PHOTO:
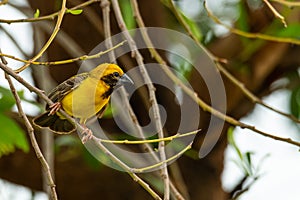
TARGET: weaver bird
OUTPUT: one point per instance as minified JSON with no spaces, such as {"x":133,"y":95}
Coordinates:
{"x":82,"y":97}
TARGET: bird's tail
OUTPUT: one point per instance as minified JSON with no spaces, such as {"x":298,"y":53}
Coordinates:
{"x":54,"y":123}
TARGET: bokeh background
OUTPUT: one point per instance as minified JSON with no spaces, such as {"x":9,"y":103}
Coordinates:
{"x":245,"y":166}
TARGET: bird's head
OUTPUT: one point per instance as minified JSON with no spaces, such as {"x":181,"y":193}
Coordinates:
{"x":111,"y":74}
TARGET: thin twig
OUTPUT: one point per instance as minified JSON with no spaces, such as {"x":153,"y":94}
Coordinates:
{"x":170,"y":138}
{"x":290,"y":4}
{"x":204,"y":105}
{"x":155,"y":54}
{"x":142,"y":169}
{"x":250,"y":95}
{"x":107,"y":33}
{"x":275,"y":12}
{"x":159,"y":59}
{"x":54,"y":33}
{"x":66,"y":42}
{"x":43,"y":79}
{"x":46,"y":17}
{"x":61,"y":62}
{"x":251,"y":35}
{"x":34,"y":143}
{"x":176,"y":193}
{"x":125,"y":167}
{"x":136,"y":54}
{"x":105,"y":5}
{"x":146,"y":146}
{"x":172,"y":158}
{"x":3,"y":60}
{"x":138,"y":127}
{"x":241,"y":86}
{"x":221,"y":115}
{"x":141,"y":24}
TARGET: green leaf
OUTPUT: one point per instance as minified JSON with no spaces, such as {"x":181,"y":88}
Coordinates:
{"x":36,"y":14}
{"x":248,"y":163}
{"x":232,"y":142}
{"x":75,"y":12}
{"x":291,"y":31}
{"x":295,"y":102}
{"x":242,"y":22}
{"x":248,"y":157}
{"x":127,"y":13}
{"x":7,"y":100}
{"x":244,"y":161}
{"x":193,"y":26}
{"x":11,"y":137}
{"x":183,"y":68}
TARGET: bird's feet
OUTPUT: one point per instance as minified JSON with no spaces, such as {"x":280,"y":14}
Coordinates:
{"x":54,"y":108}
{"x":87,"y":134}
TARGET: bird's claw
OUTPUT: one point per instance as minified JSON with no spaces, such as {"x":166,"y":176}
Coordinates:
{"x":87,"y":135}
{"x":54,"y":108}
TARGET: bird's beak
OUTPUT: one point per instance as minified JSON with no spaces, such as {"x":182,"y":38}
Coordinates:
{"x":124,"y":80}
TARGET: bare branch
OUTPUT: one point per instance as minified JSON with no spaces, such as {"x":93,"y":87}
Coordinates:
{"x":34,"y":143}
{"x":290,"y":4}
{"x":54,"y":33}
{"x":275,"y":12}
{"x":136,"y":54}
{"x":252,"y":35}
{"x":61,"y":62}
{"x":105,"y":5}
{"x":208,"y":108}
{"x":47,"y":17}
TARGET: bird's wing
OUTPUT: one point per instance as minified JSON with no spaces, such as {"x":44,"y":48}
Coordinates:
{"x":60,"y":91}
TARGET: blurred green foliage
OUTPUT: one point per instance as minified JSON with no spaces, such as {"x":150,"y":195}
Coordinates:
{"x":244,"y":159}
{"x":127,"y":13}
{"x":295,"y":102}
{"x":11,"y":135}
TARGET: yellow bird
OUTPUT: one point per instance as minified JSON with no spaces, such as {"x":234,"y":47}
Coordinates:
{"x":81,"y":96}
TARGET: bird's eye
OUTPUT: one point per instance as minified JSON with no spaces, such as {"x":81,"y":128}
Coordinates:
{"x":116,"y":74}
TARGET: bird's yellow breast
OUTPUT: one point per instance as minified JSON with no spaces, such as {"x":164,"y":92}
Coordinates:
{"x":86,"y":100}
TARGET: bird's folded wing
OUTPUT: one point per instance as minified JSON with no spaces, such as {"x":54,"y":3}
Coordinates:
{"x":59,"y":92}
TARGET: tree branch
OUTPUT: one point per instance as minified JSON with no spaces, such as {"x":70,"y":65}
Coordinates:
{"x":61,"y":62}
{"x":208,"y":108}
{"x":136,"y":54}
{"x":34,"y":143}
{"x":46,"y":17}
{"x":276,"y":13}
{"x":54,"y":33}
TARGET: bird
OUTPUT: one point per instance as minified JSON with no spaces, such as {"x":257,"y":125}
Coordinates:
{"x":82,"y":96}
